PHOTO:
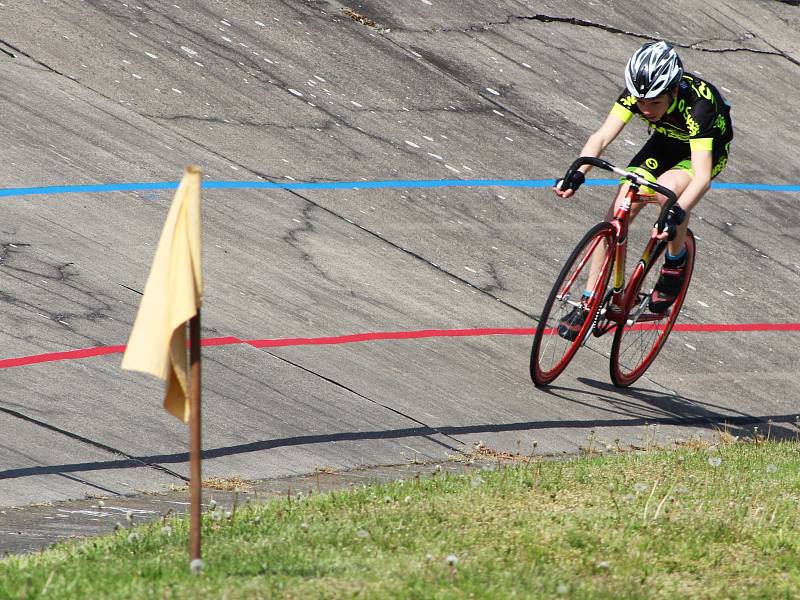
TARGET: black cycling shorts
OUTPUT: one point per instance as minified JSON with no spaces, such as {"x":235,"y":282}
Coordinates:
{"x":661,"y":154}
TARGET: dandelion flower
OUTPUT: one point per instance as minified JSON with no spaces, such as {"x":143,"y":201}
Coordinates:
{"x":362,"y":533}
{"x":133,"y":537}
{"x":212,"y":504}
{"x":714,"y":461}
{"x":196,"y":566}
{"x":166,"y":530}
{"x":640,"y":488}
{"x":771,"y":468}
{"x":603,"y":564}
{"x":562,"y":589}
{"x":451,"y":560}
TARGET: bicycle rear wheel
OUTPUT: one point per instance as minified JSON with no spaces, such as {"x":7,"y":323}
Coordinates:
{"x":551,"y":352}
{"x":636,"y":346}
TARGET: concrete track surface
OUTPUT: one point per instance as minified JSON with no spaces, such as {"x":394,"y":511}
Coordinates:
{"x":102,"y":91}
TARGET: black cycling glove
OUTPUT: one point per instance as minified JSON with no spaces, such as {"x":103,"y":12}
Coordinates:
{"x":675,"y":216}
{"x":573,"y":183}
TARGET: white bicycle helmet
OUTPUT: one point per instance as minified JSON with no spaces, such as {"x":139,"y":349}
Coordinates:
{"x":652,"y":70}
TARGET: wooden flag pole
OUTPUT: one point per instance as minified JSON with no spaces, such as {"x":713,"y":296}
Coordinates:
{"x":195,"y":446}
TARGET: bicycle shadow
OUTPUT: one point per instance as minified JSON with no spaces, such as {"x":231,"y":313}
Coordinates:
{"x":662,"y":408}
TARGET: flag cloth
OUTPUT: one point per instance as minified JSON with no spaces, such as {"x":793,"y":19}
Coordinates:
{"x":173,"y":295}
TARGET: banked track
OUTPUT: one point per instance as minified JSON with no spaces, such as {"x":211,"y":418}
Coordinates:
{"x":387,"y":319}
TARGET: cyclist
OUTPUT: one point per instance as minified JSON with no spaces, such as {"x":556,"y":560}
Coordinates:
{"x":690,"y":135}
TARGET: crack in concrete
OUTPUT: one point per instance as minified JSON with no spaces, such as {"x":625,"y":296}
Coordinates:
{"x":415,"y":255}
{"x":577,"y":57}
{"x":34,"y":60}
{"x":252,"y":69}
{"x":542,"y":18}
{"x":497,"y":283}
{"x":487,"y":97}
{"x":374,"y":234}
{"x":389,"y":408}
{"x":727,"y":230}
{"x":94,"y":310}
{"x":380,"y":139}
{"x":32,"y":459}
{"x":292,"y":238}
{"x":6,"y":52}
{"x":783,"y":54}
{"x":89,"y":442}
{"x":257,"y":71}
{"x":135,"y":291}
{"x":319,"y":127}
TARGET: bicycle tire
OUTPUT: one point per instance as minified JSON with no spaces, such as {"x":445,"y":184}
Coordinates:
{"x":636,"y":346}
{"x":550,"y":347}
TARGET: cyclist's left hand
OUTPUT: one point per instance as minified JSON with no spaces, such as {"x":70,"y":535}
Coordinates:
{"x":675,"y":216}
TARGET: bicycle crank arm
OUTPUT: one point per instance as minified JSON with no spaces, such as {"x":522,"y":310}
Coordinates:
{"x":633,"y":317}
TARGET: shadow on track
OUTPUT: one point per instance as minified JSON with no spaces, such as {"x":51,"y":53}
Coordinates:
{"x":669,"y":410}
{"x":650,"y":407}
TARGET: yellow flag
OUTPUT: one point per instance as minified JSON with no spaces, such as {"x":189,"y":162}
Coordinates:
{"x":173,"y":294}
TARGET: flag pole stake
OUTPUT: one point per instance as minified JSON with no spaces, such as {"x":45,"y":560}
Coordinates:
{"x":195,"y":445}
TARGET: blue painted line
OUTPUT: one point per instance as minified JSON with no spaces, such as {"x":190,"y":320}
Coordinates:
{"x":756,"y":187}
{"x":349,"y":185}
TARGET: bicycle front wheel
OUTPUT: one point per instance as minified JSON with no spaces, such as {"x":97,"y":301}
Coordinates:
{"x":637,"y":344}
{"x":568,"y":314}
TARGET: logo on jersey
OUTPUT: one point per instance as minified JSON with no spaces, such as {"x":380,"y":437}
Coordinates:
{"x":691,"y":124}
{"x":720,"y":124}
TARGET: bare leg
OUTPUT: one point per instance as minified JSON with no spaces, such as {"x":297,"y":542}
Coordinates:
{"x":599,"y":254}
{"x":677,"y":180}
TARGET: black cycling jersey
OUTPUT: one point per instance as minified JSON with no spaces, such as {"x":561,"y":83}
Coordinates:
{"x":699,"y":117}
{"x":699,"y":112}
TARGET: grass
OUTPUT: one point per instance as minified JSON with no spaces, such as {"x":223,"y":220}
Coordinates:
{"x":719,"y":522}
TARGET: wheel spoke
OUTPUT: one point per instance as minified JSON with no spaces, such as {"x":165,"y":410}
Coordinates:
{"x":553,"y":349}
{"x":636,"y":345}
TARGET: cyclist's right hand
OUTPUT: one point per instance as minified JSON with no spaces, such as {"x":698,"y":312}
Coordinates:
{"x":566,"y":188}
{"x":562,"y":193}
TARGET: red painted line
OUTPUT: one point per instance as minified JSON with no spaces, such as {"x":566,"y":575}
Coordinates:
{"x":387,"y":335}
{"x":57,"y":356}
{"x":22,"y":361}
{"x":220,"y":341}
{"x":731,"y":327}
